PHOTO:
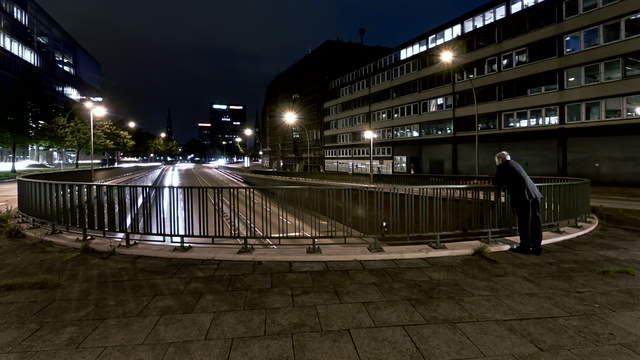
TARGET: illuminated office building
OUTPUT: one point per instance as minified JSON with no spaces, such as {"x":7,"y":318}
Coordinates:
{"x":556,"y":83}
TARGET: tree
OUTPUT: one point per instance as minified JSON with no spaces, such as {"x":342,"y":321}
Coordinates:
{"x":54,"y":134}
{"x":77,"y":137}
{"x":111,"y":139}
{"x":164,"y":148}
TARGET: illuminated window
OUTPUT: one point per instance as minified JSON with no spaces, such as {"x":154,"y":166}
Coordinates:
{"x":491,"y":65}
{"x":572,"y":43}
{"x":573,"y":77}
{"x":633,"y":106}
{"x":592,"y":111}
{"x":516,"y":5}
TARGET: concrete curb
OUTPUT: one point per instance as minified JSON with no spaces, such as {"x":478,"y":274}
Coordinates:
{"x":298,"y":253}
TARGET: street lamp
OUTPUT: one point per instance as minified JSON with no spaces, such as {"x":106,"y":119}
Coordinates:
{"x":224,"y":149}
{"x":163,"y":134}
{"x":448,"y":57}
{"x":291,"y":118}
{"x":247,"y":158}
{"x":94,"y":111}
{"x":370,"y":135}
{"x":132,"y":124}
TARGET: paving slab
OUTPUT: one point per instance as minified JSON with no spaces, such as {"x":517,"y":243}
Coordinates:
{"x":291,"y":280}
{"x":598,"y":331}
{"x":57,"y":335}
{"x":333,"y":345}
{"x":221,"y":301}
{"x":343,"y":316}
{"x":305,"y":296}
{"x":11,"y":335}
{"x":228,"y":325}
{"x":173,"y":328}
{"x":393,"y":313}
{"x":548,"y":334}
{"x":385,"y":344}
{"x":269,"y":298}
{"x":262,"y":348}
{"x":81,"y":354}
{"x":292,"y":320}
{"x":442,"y":341}
{"x":127,"y":331}
{"x":549,"y":355}
{"x":495,"y":339}
{"x":199,"y":350}
{"x":610,"y":352}
{"x":171,"y":304}
{"x":137,"y":352}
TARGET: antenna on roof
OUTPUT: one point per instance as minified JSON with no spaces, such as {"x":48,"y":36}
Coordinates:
{"x":362,"y":32}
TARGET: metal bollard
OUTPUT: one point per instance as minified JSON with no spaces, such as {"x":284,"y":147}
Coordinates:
{"x":376,"y":247}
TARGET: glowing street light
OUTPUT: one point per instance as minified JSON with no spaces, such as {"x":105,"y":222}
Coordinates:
{"x":163,"y":134}
{"x":448,"y":57}
{"x":238,"y":140}
{"x":638,"y":111}
{"x":370,"y":135}
{"x":94,"y":111}
{"x":132,"y":124}
{"x":290,"y":117}
{"x":248,"y":132}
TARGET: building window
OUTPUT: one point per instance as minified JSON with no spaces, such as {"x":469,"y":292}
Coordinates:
{"x":572,"y":43}
{"x":535,"y":117}
{"x":574,"y":113}
{"x":551,"y":116}
{"x":491,"y":65}
{"x":507,"y":61}
{"x":611,"y":32}
{"x":571,"y":8}
{"x":592,"y":37}
{"x":592,"y":74}
{"x":574,"y":77}
{"x":612,"y":70}
{"x":632,"y":26}
{"x":516,"y":5}
{"x":592,"y":111}
{"x":588,"y":5}
{"x":633,"y":106}
{"x":613,"y":108}
{"x":521,"y":57}
{"x":631,"y":66}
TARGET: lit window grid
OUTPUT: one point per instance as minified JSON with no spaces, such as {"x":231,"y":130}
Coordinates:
{"x":583,"y":6}
{"x":577,"y":76}
{"x":546,"y":116}
{"x":629,"y":108}
{"x":575,"y":42}
{"x":17,"y":48}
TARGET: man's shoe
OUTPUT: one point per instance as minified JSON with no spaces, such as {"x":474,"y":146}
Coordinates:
{"x":536,"y":251}
{"x":520,"y":250}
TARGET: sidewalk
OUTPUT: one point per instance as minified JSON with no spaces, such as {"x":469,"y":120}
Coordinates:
{"x":8,"y":195}
{"x":556,"y":306}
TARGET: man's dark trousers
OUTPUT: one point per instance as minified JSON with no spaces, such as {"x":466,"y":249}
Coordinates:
{"x":530,"y":224}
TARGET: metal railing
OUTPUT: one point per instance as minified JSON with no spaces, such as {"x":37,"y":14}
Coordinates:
{"x":275,"y":216}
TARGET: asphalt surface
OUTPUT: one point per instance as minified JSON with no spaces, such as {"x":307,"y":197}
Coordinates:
{"x":213,"y":205}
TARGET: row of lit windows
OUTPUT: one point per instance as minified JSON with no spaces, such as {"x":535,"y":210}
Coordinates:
{"x":384,"y":134}
{"x":70,"y":92}
{"x":604,"y":109}
{"x":16,"y":11}
{"x":344,"y":138}
{"x":531,"y":118}
{"x":348,"y":122}
{"x":455,"y":31}
{"x":17,"y":48}
{"x":359,"y":152}
{"x":595,"y":73}
{"x":381,"y":78}
{"x":576,"y":7}
{"x":439,"y":38}
{"x":603,"y":34}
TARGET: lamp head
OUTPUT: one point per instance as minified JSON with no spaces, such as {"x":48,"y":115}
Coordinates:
{"x":163,"y":135}
{"x":99,"y":111}
{"x":132,"y":124}
{"x":238,"y":140}
{"x":447,"y":56}
{"x":248,"y":132}
{"x":290,"y":117}
{"x":369,"y":135}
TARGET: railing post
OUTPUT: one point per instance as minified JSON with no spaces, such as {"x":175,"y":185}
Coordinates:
{"x":376,"y":247}
{"x":182,"y":246}
{"x":314,"y":248}
{"x":246,"y":248}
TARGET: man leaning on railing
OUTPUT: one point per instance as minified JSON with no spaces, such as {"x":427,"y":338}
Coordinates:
{"x":525,"y":200}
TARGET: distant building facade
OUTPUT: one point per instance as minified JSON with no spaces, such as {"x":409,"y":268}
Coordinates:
{"x":557,"y":84}
{"x":42,"y":69}
{"x":226,"y":123}
{"x":303,"y":88}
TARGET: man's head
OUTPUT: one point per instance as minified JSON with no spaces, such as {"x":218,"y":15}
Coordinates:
{"x":501,"y":157}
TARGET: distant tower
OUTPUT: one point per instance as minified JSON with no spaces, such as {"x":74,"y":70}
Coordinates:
{"x":169,"y":125}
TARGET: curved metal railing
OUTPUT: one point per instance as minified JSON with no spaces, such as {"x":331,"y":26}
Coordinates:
{"x":275,"y":216}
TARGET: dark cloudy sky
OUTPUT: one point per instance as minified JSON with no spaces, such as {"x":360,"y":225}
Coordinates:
{"x":185,"y":54}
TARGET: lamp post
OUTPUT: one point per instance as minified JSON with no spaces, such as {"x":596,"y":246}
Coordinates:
{"x":224,"y":151}
{"x":291,"y":118}
{"x":448,"y":57}
{"x":247,"y":158}
{"x":370,"y":135}
{"x":94,"y":111}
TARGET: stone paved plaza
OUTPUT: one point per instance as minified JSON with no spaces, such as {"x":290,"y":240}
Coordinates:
{"x":557,"y":306}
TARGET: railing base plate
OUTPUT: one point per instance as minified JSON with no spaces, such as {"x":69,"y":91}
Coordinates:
{"x":182,"y":248}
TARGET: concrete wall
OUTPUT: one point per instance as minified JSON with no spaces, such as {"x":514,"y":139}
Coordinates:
{"x":607,"y":159}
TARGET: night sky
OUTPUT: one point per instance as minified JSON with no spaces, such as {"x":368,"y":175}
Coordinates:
{"x":186,"y":54}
